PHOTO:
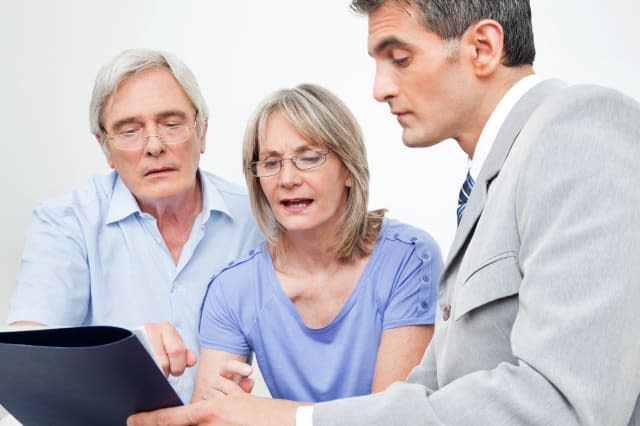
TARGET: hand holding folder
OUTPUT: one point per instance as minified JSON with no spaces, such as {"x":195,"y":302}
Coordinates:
{"x":96,"y":375}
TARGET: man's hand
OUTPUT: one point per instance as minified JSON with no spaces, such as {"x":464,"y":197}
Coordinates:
{"x":238,"y":408}
{"x":173,"y":355}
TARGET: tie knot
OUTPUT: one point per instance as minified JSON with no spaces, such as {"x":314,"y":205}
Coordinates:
{"x":463,"y":197}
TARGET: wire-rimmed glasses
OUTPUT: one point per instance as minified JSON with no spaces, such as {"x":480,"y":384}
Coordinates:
{"x":305,"y":160}
{"x":169,"y":134}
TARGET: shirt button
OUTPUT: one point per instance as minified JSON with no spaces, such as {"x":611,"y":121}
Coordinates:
{"x":251,"y":252}
{"x":425,"y":305}
{"x":446,"y":312}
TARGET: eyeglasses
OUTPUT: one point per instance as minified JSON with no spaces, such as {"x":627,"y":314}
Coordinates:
{"x":169,"y":134}
{"x":306,"y":160}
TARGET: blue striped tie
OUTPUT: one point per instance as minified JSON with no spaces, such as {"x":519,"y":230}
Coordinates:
{"x":463,"y":197}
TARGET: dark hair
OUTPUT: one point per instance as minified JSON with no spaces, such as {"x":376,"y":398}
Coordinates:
{"x":449,"y":19}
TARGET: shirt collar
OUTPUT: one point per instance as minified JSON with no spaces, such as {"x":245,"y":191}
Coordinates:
{"x":212,"y":198}
{"x":124,"y":204}
{"x":496,"y":120}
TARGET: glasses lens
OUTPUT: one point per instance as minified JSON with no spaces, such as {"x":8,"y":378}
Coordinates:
{"x":266,"y":168}
{"x":129,"y":141}
{"x":168,"y":134}
{"x":306,"y":160}
{"x":172,"y":134}
{"x":309,"y":159}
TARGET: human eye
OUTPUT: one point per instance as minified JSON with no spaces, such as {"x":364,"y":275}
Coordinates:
{"x":171,"y":128}
{"x":400,"y":57}
{"x":271,"y":163}
{"x":309,"y":158}
{"x":129,"y":133}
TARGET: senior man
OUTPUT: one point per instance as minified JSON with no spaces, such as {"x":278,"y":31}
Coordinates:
{"x":140,"y":244}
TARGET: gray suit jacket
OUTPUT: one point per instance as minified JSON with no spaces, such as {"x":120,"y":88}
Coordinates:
{"x":539,"y":320}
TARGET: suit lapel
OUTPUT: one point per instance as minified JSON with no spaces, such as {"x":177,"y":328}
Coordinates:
{"x":505,"y":138}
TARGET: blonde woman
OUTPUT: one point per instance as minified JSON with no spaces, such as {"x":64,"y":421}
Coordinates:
{"x":338,"y":301}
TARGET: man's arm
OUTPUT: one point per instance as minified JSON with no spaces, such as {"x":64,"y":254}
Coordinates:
{"x":575,"y":336}
{"x":27,"y":324}
{"x":53,"y":282}
{"x":234,"y":409}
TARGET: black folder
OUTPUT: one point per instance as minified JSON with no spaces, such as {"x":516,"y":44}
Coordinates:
{"x":96,"y":375}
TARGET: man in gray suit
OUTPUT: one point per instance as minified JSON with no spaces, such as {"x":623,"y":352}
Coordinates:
{"x":538,"y":320}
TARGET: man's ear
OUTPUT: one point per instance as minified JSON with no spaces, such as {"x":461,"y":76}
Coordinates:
{"x":105,"y":149}
{"x":203,"y":137}
{"x":486,"y":40}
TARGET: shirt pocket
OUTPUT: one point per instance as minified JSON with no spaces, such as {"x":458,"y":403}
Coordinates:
{"x":496,"y":278}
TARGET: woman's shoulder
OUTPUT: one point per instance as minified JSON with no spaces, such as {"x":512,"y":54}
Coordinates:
{"x":243,"y":270}
{"x":396,"y":230}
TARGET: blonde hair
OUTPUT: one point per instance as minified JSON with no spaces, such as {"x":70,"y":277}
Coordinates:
{"x":323,"y":119}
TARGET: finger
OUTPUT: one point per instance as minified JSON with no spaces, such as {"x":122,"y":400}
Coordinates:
{"x":175,"y":349}
{"x":234,"y":368}
{"x":247,"y":384}
{"x":192,"y":359}
{"x":154,"y":332}
{"x":227,"y":386}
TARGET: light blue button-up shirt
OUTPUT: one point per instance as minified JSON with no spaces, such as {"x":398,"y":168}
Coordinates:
{"x":93,"y":257}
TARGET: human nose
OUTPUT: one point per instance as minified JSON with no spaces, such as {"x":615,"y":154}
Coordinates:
{"x":289,"y":173}
{"x":153,"y":145}
{"x":384,"y":86}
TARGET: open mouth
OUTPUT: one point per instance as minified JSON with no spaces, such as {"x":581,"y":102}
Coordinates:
{"x":296,"y":203}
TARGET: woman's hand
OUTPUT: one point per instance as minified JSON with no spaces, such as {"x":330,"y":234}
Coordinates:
{"x":221,"y":373}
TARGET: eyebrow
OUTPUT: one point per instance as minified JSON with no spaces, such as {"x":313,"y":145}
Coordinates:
{"x":158,"y":116}
{"x":391,"y":41}
{"x":172,"y":113}
{"x":123,"y":122}
{"x":296,"y":151}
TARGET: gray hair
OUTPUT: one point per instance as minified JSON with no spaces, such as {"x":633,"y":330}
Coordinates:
{"x":323,"y":119}
{"x":132,"y":61}
{"x":449,"y":19}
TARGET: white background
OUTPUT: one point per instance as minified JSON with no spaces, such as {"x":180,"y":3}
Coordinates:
{"x":240,"y":51}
